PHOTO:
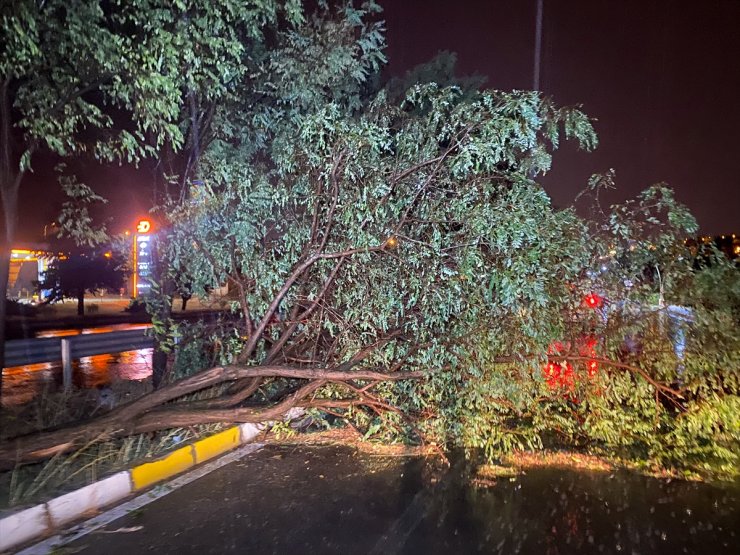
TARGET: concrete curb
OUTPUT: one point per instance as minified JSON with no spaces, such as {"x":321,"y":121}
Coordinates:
{"x":41,"y":520}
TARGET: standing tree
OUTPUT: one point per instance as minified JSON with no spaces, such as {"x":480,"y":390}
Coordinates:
{"x":70,"y":73}
{"x":59,"y":67}
{"x":80,"y":273}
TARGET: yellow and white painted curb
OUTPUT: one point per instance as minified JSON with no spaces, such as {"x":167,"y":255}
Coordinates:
{"x":41,"y":520}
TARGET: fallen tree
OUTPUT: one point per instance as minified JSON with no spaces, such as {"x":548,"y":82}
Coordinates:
{"x":150,"y":413}
{"x":396,"y":265}
{"x":300,"y":242}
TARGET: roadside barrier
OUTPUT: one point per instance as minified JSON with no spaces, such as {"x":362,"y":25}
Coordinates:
{"x":19,"y":352}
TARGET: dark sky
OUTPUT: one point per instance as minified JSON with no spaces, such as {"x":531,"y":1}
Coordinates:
{"x":662,"y":77}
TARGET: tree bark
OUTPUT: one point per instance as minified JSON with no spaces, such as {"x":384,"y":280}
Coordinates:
{"x":162,"y":314}
{"x":81,"y":303}
{"x":10,"y":178}
{"x":4,"y":273}
{"x":160,"y":354}
{"x":148,"y":414}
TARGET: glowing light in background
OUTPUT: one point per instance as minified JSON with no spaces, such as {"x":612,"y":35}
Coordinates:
{"x":592,"y":300}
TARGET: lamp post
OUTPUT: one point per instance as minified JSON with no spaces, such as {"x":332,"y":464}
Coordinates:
{"x":538,"y":45}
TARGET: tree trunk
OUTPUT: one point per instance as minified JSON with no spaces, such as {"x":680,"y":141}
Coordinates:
{"x":10,"y":179}
{"x":160,"y":354}
{"x":185,"y":168}
{"x":156,"y":411}
{"x":81,"y":303}
{"x":4,"y":271}
{"x":159,"y":364}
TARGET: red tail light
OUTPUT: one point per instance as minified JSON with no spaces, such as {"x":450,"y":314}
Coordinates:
{"x":592,"y":300}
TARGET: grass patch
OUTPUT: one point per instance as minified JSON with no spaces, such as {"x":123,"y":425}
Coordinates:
{"x":34,"y":483}
{"x":558,"y":459}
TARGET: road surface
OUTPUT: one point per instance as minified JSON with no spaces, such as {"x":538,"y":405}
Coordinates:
{"x":294,"y":500}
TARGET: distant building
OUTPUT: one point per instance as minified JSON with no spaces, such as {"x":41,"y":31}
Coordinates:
{"x":27,"y":264}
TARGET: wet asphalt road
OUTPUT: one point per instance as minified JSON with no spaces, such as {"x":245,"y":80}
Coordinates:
{"x":294,"y":500}
{"x":277,"y":500}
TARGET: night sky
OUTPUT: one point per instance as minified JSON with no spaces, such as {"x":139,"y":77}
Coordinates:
{"x":662,"y":78}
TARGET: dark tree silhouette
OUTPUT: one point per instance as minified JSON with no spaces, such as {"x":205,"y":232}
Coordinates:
{"x":76,"y":274}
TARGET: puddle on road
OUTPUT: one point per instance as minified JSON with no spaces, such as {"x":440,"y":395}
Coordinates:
{"x":557,"y":511}
{"x":22,"y":384}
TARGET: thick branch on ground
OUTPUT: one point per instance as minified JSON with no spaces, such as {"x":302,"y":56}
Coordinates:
{"x":140,"y":415}
{"x":177,"y":418}
{"x":249,"y":388}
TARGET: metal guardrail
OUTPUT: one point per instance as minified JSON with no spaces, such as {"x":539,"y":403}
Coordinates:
{"x":19,"y":352}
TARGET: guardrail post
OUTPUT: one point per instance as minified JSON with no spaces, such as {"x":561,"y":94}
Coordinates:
{"x":67,"y":364}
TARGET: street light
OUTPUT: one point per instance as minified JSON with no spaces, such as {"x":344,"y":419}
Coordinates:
{"x":538,"y":45}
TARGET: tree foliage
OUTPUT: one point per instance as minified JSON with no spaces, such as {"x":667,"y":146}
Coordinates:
{"x":412,"y":237}
{"x":114,"y":81}
{"x":394,"y":262}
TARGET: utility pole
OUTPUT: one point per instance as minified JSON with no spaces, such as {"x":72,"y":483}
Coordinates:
{"x":538,"y":45}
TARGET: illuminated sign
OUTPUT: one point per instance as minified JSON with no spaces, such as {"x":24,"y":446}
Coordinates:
{"x":144,"y":226}
{"x":143,"y":263}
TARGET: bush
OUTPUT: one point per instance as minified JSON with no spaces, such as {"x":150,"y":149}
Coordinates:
{"x":15,"y":307}
{"x":136,"y":306}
